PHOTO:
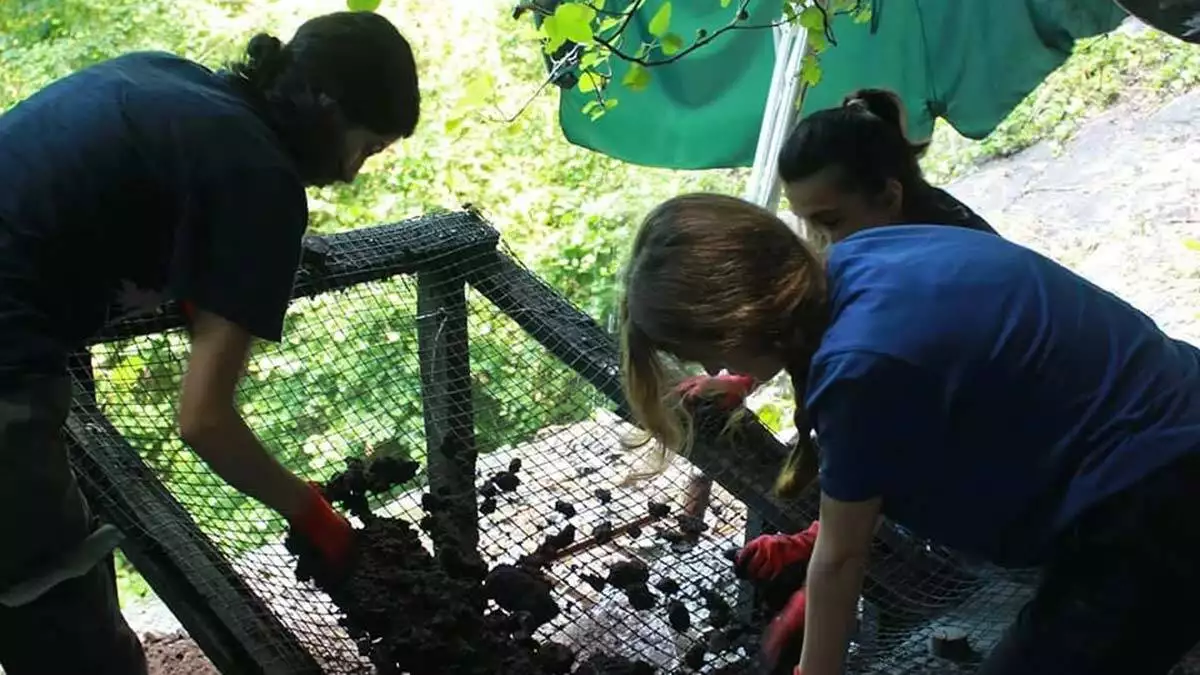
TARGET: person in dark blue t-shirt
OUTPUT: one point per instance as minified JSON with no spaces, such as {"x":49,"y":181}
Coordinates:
{"x":971,"y":390}
{"x":844,"y":170}
{"x":146,"y":178}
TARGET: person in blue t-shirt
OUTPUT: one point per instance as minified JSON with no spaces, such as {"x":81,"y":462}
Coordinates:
{"x":141,"y":179}
{"x":844,"y":169}
{"x":971,"y":390}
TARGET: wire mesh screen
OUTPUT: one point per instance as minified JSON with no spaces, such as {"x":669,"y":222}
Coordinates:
{"x":407,"y":340}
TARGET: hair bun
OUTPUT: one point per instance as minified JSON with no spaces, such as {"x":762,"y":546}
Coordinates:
{"x":264,"y":48}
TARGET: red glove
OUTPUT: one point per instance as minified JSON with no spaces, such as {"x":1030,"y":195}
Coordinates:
{"x":327,"y":530}
{"x":727,"y":390}
{"x":784,"y":639}
{"x":769,"y":554}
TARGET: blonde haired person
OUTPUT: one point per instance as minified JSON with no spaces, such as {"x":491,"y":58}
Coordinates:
{"x":971,"y":390}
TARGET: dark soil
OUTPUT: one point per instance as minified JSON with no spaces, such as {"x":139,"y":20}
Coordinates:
{"x":175,"y":654}
{"x":411,"y":612}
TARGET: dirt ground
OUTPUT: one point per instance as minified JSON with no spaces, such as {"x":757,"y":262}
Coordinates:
{"x":1118,"y":205}
{"x":175,"y":654}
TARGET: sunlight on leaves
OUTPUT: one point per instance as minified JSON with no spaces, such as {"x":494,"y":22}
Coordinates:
{"x":592,"y":60}
{"x":553,"y":34}
{"x":672,"y":43}
{"x":608,"y":23}
{"x":810,"y":70}
{"x":595,"y":109}
{"x":478,"y":90}
{"x":574,"y":21}
{"x":590,"y":80}
{"x":362,"y":5}
{"x":661,"y":22}
{"x":637,"y":78}
{"x":812,"y":19}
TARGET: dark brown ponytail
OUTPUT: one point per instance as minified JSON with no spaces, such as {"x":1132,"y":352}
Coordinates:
{"x":887,"y":106}
{"x":266,"y":57}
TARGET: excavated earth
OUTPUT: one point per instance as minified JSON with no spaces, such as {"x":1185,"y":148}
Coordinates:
{"x":411,"y":612}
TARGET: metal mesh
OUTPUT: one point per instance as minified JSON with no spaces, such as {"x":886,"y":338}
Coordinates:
{"x":403,"y":337}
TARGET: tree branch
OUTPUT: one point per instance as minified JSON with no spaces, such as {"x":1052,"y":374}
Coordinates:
{"x":734,"y":24}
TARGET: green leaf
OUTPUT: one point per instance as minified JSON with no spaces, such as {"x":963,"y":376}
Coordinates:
{"x":671,"y":44}
{"x":608,"y":23}
{"x":726,"y":3}
{"x":553,"y":33}
{"x":362,"y":5}
{"x":810,"y":70}
{"x":478,"y":90}
{"x":817,"y":42}
{"x":590,"y":80}
{"x":812,"y":18}
{"x":1192,"y":244}
{"x":574,"y":21}
{"x":661,"y":22}
{"x":592,"y":59}
{"x":637,"y":78}
{"x":590,"y":106}
{"x":610,"y":103}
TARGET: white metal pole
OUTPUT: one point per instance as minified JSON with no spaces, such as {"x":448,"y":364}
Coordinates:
{"x":778,"y":114}
{"x":759,"y":173}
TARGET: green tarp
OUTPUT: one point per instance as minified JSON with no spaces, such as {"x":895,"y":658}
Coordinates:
{"x":703,"y":111}
{"x":970,"y":61}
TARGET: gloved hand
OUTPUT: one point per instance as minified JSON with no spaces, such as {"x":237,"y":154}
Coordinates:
{"x":768,"y":555}
{"x":325,"y":529}
{"x":783,"y":641}
{"x":727,"y":390}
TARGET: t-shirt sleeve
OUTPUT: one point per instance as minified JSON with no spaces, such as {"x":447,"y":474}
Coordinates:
{"x":238,"y":246}
{"x":876,"y":417}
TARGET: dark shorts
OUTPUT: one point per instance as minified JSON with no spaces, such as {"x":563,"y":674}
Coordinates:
{"x":76,"y":626}
{"x":1122,"y":593}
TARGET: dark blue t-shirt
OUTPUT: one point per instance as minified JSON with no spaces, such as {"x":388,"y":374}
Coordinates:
{"x":988,"y":394}
{"x":139,"y":179}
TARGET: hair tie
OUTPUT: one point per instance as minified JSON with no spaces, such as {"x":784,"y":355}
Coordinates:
{"x":858,"y":104}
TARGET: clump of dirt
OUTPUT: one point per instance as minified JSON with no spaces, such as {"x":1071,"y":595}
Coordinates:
{"x":565,"y":508}
{"x":175,"y":654}
{"x":411,"y":612}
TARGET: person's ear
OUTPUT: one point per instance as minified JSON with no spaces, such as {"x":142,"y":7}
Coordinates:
{"x":893,"y":199}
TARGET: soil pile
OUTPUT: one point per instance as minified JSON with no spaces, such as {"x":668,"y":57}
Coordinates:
{"x":175,"y":654}
{"x":411,"y":612}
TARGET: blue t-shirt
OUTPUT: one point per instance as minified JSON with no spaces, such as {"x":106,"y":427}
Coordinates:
{"x":988,"y":394}
{"x":138,"y":179}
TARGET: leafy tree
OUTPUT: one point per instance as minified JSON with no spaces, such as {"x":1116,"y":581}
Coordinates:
{"x":581,"y":40}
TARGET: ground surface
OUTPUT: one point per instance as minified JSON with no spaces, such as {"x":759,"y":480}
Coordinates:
{"x":175,"y":654}
{"x":1117,"y":204}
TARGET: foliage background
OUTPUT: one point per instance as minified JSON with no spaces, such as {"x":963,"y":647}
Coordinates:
{"x":568,"y":213}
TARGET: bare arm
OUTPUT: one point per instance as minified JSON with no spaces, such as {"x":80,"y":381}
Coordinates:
{"x":210,"y":423}
{"x":835,"y":577}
